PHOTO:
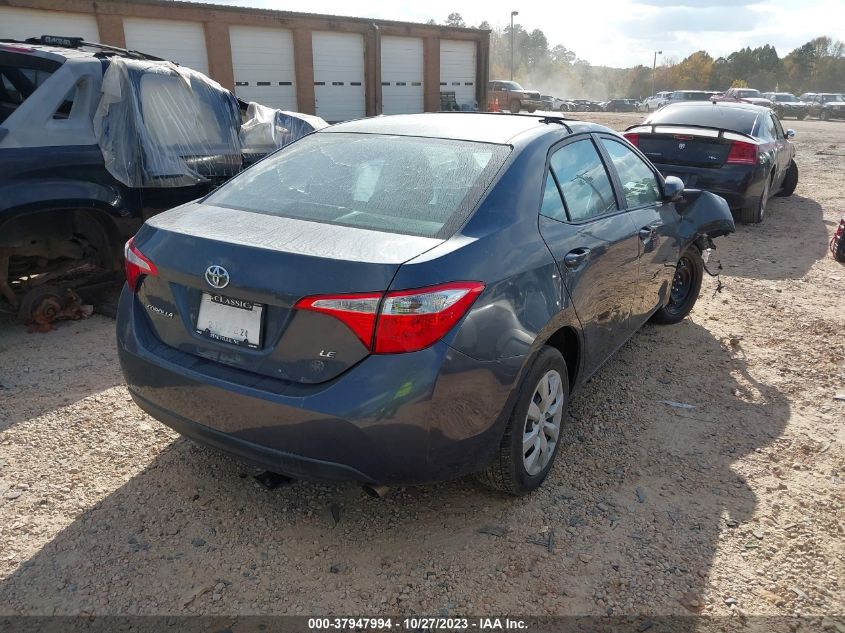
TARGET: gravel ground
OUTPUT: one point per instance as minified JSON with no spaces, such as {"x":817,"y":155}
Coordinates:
{"x":735,"y":505}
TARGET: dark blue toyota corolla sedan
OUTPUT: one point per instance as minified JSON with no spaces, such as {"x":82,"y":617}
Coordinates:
{"x":406,"y":299}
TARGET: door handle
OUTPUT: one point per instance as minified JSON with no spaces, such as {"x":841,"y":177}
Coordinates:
{"x":575,"y":258}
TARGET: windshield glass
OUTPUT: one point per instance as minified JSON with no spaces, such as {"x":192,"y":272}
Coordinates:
{"x":836,"y":98}
{"x":786,"y":98}
{"x":511,"y":85}
{"x":398,"y":184}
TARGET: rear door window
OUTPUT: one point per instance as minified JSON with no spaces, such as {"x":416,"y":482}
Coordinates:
{"x":398,"y":184}
{"x":583,"y":181}
{"x":17,"y":83}
{"x":639,"y":184}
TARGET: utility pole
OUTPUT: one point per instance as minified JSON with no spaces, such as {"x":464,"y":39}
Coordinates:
{"x":654,"y":69}
{"x":513,"y":13}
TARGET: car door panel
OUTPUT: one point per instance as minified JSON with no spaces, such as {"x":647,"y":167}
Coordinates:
{"x":594,"y":244}
{"x":657,"y":223}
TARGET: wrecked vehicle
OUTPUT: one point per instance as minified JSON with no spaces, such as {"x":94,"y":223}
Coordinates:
{"x":408,"y":298}
{"x":93,"y":140}
{"x":739,"y":151}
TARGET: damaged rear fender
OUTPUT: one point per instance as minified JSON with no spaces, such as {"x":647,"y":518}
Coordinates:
{"x":703,"y":214}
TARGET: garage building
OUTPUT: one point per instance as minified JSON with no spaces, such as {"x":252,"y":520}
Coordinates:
{"x":336,"y":67}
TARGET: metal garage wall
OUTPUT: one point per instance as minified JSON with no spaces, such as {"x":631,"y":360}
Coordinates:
{"x":458,"y":70}
{"x":262,"y":61}
{"x":20,"y":24}
{"x":401,"y":75}
{"x":338,"y":75}
{"x":182,"y":42}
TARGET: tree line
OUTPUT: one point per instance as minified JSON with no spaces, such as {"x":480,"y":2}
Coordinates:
{"x":817,"y":66}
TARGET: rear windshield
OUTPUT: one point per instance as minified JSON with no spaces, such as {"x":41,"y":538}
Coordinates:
{"x":409,"y":185}
{"x":691,"y":96}
{"x":734,"y":119}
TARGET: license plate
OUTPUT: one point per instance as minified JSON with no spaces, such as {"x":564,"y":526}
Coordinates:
{"x":230,"y":320}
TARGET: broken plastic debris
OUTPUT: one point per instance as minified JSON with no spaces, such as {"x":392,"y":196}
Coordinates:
{"x":677,"y":405}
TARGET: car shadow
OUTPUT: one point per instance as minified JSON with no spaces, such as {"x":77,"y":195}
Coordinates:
{"x":43,"y":371}
{"x":629,"y":520}
{"x":756,"y":250}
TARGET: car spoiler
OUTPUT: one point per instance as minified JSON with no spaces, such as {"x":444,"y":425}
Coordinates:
{"x":721,"y":131}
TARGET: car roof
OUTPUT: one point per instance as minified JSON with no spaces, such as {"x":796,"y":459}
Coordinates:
{"x":482,"y":127}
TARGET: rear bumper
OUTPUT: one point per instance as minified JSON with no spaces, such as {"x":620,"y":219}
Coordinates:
{"x":394,"y":419}
{"x":737,"y":184}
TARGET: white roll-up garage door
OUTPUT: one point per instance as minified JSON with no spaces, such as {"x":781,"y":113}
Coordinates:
{"x":401,"y":75}
{"x":338,"y":75}
{"x":262,"y":61}
{"x":19,"y":24}
{"x":458,"y":70}
{"x":181,"y":42}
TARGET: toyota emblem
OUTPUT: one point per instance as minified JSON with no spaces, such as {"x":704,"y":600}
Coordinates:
{"x":217,"y":277}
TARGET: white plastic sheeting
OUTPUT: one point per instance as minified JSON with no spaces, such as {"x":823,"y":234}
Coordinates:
{"x":162,"y":125}
{"x":266,"y":129}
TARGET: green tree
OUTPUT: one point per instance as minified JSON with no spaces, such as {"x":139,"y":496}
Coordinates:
{"x":455,"y":19}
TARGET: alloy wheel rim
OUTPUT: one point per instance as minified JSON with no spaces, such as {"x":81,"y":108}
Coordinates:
{"x":542,"y":423}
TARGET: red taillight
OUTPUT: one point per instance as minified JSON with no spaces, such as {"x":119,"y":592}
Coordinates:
{"x":400,"y":321}
{"x":633,"y":139}
{"x":135,"y":265}
{"x":742,"y":153}
{"x":357,"y":311}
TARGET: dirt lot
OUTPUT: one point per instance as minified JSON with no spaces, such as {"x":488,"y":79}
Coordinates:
{"x":735,"y":505}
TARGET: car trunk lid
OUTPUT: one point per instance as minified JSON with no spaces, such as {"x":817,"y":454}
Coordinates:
{"x":227,"y":281}
{"x":691,"y":146}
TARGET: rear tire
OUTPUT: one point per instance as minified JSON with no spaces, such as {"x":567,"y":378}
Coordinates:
{"x":801,"y":117}
{"x":824,"y":116}
{"x":790,"y":181}
{"x":753,"y":213}
{"x":515,"y":106}
{"x":531,"y":110}
{"x":512,"y":469}
{"x":686,"y":284}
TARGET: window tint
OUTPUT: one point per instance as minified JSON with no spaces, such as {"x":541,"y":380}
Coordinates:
{"x":16,"y":86}
{"x":552,"y":202}
{"x":408,"y":185}
{"x":583,"y":180}
{"x":778,"y":127}
{"x":767,"y":128}
{"x":638,"y":181}
{"x":734,"y":119}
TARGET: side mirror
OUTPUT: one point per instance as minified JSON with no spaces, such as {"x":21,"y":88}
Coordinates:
{"x":790,"y":133}
{"x":673,"y":189}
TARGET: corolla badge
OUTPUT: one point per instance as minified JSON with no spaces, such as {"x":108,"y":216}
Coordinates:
{"x":217,"y":276}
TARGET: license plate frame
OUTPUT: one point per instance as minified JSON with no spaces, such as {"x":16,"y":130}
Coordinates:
{"x":224,"y":319}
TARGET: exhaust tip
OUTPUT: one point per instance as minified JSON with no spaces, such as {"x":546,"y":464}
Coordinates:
{"x":376,"y":491}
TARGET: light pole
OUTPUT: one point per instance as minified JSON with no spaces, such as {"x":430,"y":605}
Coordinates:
{"x":654,"y":70}
{"x":513,"y":13}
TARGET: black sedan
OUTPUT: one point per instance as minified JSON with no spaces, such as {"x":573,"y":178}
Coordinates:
{"x":736,"y":150}
{"x":404,"y":299}
{"x":620,"y":105}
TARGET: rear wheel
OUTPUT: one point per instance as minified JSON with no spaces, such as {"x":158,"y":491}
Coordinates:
{"x":531,"y":439}
{"x":531,"y":110}
{"x":790,"y":181}
{"x":800,"y":117}
{"x":824,"y":115}
{"x":753,"y":213}
{"x":516,"y":106}
{"x":686,"y":284}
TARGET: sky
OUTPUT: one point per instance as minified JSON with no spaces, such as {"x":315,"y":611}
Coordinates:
{"x":620,"y":33}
